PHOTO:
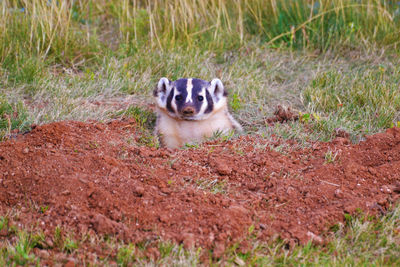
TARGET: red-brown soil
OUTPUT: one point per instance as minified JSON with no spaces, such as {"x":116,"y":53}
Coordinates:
{"x":95,"y":177}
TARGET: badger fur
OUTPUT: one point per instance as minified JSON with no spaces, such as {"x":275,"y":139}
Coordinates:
{"x":191,"y":110}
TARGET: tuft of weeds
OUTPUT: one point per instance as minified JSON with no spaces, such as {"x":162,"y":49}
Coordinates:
{"x":236,"y":102}
{"x":215,"y":186}
{"x":223,"y":136}
{"x":12,"y":116}
{"x":191,"y":145}
{"x":126,"y":255}
{"x":143,"y":117}
{"x":70,"y":245}
{"x":20,"y":252}
{"x":58,"y":237}
{"x":3,"y":223}
{"x":145,"y":120}
{"x":330,"y":156}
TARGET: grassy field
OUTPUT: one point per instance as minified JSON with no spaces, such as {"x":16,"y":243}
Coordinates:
{"x":334,"y":61}
{"x":358,"y":243}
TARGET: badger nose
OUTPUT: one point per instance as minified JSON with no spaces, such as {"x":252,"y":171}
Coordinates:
{"x":187,"y":111}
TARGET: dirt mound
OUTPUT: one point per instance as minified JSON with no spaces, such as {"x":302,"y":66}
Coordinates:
{"x":94,"y":177}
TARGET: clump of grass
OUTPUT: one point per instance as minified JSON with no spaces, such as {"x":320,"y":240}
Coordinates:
{"x":331,"y":156}
{"x":19,"y":252}
{"x":145,"y":120}
{"x":70,"y":245}
{"x":12,"y":116}
{"x":215,"y":186}
{"x":361,"y":102}
{"x":143,"y":117}
{"x":126,"y":255}
{"x":222,"y":136}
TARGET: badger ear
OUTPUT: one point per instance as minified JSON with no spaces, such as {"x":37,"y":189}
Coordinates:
{"x":162,"y":91}
{"x":162,"y":88}
{"x":217,"y":89}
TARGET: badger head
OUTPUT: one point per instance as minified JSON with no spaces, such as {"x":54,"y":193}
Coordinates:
{"x":190,"y":99}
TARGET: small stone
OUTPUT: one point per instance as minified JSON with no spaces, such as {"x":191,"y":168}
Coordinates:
{"x":164,"y":218}
{"x":59,"y":256}
{"x":139,"y":191}
{"x":175,"y":166}
{"x":222,"y":168}
{"x":382,"y":201}
{"x":225,"y":202}
{"x":372,"y":171}
{"x":66,"y":193}
{"x":49,"y":243}
{"x":44,"y":254}
{"x":252,"y":187}
{"x":385,"y":189}
{"x":340,"y":141}
{"x":316,"y":239}
{"x":26,"y":150}
{"x":396,"y":188}
{"x":219,"y":250}
{"x":188,"y":240}
{"x":103,"y":225}
{"x":238,"y":209}
{"x":165,"y":190}
{"x":339,"y":193}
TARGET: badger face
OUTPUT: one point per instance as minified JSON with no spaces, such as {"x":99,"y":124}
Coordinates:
{"x":190,"y":99}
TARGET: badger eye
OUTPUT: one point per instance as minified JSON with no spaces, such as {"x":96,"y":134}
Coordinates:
{"x":200,"y":98}
{"x":178,"y":98}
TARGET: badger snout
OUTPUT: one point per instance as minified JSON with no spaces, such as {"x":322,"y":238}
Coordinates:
{"x":188,"y":111}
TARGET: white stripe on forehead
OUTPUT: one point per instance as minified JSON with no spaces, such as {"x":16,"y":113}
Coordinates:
{"x":189,"y":87}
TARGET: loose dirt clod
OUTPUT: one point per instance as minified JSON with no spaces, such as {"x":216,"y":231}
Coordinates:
{"x":94,"y":178}
{"x":282,"y":114}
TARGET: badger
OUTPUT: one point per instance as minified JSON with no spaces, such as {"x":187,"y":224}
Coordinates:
{"x":191,"y":110}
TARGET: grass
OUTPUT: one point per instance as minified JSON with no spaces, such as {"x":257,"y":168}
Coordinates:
{"x":258,"y":79}
{"x":330,"y":156}
{"x":13,"y":116}
{"x":363,"y":241}
{"x":73,"y":32}
{"x":334,"y":61}
{"x":360,"y":101}
{"x":214,"y":186}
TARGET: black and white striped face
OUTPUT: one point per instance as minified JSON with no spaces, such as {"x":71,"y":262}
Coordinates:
{"x":190,"y":99}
